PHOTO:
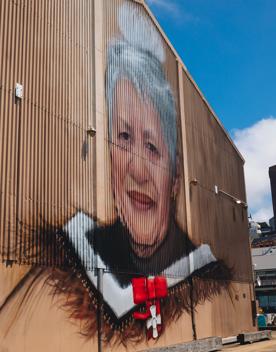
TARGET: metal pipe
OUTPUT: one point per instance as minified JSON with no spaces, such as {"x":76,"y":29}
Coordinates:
{"x":192,"y":309}
{"x":100,"y":272}
{"x":236,"y":200}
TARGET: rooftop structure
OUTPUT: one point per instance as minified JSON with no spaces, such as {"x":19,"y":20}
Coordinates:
{"x":264,"y":264}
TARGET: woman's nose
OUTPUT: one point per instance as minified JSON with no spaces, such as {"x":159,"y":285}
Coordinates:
{"x":138,"y":169}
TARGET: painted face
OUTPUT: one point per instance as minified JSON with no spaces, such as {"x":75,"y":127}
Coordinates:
{"x":141,"y":173}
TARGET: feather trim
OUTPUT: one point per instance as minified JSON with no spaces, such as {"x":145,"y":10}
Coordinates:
{"x":81,"y":302}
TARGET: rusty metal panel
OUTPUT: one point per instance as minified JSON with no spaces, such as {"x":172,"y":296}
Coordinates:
{"x":135,"y":196}
{"x":47,"y":158}
{"x":216,"y":218}
{"x":129,"y":33}
{"x":48,"y":161}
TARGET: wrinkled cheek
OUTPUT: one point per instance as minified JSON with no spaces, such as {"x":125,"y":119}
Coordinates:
{"x":165,"y":214}
{"x":143,"y":227}
{"x":117,"y":186}
{"x":164,"y":218}
{"x":118,"y":174}
{"x":165,"y":204}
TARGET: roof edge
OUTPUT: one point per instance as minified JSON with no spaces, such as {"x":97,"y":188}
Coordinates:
{"x":178,"y":58}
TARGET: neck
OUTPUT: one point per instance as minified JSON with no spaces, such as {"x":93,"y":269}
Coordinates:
{"x":154,"y":260}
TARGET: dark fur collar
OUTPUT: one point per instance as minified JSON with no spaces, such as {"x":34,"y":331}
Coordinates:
{"x":206,"y":277}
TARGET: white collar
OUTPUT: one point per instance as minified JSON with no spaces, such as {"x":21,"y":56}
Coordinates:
{"x":119,"y":299}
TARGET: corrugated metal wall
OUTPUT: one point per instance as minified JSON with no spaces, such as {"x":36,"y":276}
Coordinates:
{"x":216,"y":218}
{"x":50,"y":168}
{"x":46,"y":158}
{"x":112,"y":11}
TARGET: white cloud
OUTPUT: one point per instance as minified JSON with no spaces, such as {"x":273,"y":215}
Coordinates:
{"x":166,"y":5}
{"x":257,"y":144}
{"x":263,"y":214}
{"x":174,"y":9}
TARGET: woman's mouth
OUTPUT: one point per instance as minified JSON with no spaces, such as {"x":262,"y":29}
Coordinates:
{"x":140,"y":200}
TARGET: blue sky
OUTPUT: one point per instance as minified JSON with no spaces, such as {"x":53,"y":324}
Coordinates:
{"x":229,"y":47}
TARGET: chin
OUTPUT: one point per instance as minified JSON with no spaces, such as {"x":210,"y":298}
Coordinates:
{"x":143,"y":242}
{"x":143,"y":248}
{"x":140,"y":237}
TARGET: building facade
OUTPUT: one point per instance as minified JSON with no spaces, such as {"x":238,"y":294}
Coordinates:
{"x":264,"y":262}
{"x":272,"y":175}
{"x":122,"y":216}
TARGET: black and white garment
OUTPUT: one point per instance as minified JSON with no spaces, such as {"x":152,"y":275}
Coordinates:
{"x":177,"y":258}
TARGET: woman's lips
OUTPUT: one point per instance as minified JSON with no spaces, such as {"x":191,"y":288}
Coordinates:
{"x":141,"y":200}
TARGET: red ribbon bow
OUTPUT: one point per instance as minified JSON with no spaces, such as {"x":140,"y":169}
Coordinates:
{"x":149,"y":291}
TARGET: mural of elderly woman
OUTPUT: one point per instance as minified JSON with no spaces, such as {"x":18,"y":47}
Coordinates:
{"x":145,"y":239}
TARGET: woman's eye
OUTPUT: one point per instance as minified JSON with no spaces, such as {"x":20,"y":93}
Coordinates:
{"x":152,"y":148}
{"x":124,"y":136}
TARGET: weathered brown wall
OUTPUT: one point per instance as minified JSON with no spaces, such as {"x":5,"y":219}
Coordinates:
{"x":49,"y":167}
{"x":110,"y":32}
{"x":46,"y":159}
{"x":40,"y":320}
{"x":212,"y":160}
{"x":226,"y":314}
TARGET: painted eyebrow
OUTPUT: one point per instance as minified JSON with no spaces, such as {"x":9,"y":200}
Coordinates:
{"x":149,"y":134}
{"x":124,"y":122}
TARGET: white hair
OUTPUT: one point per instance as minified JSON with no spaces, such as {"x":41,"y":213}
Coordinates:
{"x":141,"y":64}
